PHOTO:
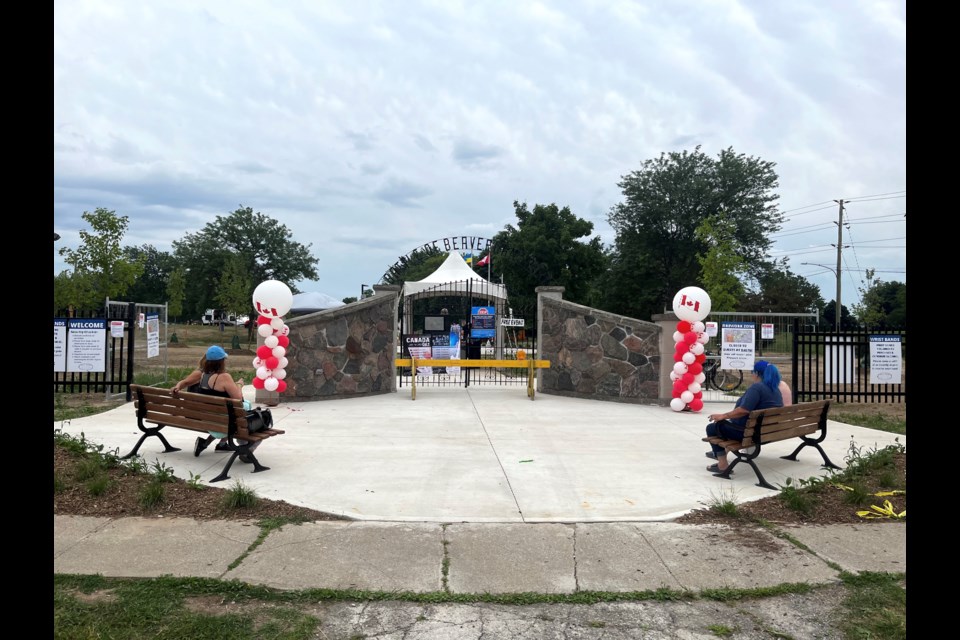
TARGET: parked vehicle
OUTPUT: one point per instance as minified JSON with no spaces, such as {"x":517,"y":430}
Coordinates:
{"x":213,"y":316}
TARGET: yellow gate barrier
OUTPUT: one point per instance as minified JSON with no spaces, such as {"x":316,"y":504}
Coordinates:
{"x":529,"y":365}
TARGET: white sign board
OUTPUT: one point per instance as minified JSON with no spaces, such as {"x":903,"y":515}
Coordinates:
{"x":766,"y":331}
{"x":153,"y":335}
{"x":886,"y":356}
{"x":511,"y":322}
{"x":86,"y":345}
{"x":59,"y":344}
{"x":711,"y":329}
{"x":736,"y":344}
{"x":116,"y":328}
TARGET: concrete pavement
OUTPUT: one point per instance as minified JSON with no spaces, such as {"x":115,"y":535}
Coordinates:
{"x":483,"y":491}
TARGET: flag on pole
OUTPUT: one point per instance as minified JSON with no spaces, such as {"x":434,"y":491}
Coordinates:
{"x":485,"y":261}
{"x":468,"y":257}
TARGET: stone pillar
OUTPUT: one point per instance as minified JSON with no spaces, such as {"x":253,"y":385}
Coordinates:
{"x":395,"y":289}
{"x":555,"y":293}
{"x":667,"y":322}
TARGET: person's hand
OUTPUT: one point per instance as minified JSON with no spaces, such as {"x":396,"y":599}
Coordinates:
{"x":239,"y":382}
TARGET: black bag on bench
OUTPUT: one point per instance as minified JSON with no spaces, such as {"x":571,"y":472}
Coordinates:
{"x":258,"y":420}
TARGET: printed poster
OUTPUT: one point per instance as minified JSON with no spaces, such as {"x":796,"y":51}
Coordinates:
{"x":419,"y":347}
{"x":737,"y":345}
{"x":484,"y":322}
{"x":886,"y":356}
{"x":455,"y":333}
{"x":766,"y":331}
{"x":86,"y":345}
{"x":153,"y":335}
{"x":59,"y":344}
{"x":440,"y":349}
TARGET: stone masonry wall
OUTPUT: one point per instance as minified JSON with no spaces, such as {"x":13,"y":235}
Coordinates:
{"x":597,"y":355}
{"x":344,"y":352}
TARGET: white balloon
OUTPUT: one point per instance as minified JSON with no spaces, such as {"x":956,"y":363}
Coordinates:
{"x":271,"y":341}
{"x":688,"y":358}
{"x":263,"y":373}
{"x":277,"y":324}
{"x":279,"y":374}
{"x":265,"y":330}
{"x":695,"y":387}
{"x":257,"y":362}
{"x":284,"y":362}
{"x":279,"y":352}
{"x":696,"y":348}
{"x":687,"y":396}
{"x":677,"y":336}
{"x":680,"y":367}
{"x":673,"y":376}
{"x":699,"y":327}
{"x":677,"y":404}
{"x":271,"y":384}
{"x":284,"y":332}
{"x":703,"y":338}
{"x":700,"y":378}
{"x":691,"y":304}
{"x":272,"y":298}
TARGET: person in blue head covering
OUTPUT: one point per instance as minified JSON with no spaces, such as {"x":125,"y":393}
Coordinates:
{"x":763,"y":393}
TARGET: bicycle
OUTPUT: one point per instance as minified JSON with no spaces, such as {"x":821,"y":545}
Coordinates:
{"x":725,"y":380}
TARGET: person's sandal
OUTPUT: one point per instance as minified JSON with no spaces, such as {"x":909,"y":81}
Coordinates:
{"x":715,"y":468}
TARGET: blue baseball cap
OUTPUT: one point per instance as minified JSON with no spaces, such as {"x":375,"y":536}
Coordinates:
{"x":216,"y":352}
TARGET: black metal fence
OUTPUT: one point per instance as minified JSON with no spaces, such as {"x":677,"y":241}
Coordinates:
{"x":117,"y":371}
{"x":860,"y":365}
{"x":429,"y":319}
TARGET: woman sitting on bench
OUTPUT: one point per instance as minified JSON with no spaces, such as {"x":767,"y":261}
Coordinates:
{"x":211,"y":379}
{"x":764,"y":393}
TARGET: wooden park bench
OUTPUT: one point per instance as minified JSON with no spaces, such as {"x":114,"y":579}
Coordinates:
{"x":201,"y":413}
{"x":765,"y":426}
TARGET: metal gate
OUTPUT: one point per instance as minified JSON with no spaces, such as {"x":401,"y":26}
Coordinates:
{"x":126,"y":355}
{"x":464,"y":320}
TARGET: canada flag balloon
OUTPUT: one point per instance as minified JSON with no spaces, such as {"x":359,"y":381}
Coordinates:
{"x":691,"y":305}
{"x":272,"y":299}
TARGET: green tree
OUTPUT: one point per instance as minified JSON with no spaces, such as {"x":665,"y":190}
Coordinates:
{"x":176,"y":292}
{"x":546,"y":248}
{"x":100,"y":268}
{"x":151,"y":286}
{"x":235,"y":293}
{"x":721,"y":266}
{"x":781,"y":291}
{"x":266,"y":247}
{"x":656,"y":250}
{"x":416,"y":265}
{"x":883,"y":305}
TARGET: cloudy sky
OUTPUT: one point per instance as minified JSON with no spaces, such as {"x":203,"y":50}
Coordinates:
{"x":371,"y":127}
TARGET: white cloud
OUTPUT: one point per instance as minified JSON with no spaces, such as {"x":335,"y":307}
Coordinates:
{"x":369,"y":128}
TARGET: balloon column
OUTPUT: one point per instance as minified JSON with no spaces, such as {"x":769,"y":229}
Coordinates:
{"x":691,"y":305}
{"x":272,"y":299}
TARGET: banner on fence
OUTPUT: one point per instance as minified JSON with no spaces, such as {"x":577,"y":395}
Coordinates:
{"x":59,"y":344}
{"x":86,"y":345}
{"x":886,"y":355}
{"x":737,"y":345}
{"x":419,"y":347}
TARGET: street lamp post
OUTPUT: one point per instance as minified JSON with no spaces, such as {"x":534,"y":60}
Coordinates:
{"x":363,"y":288}
{"x":836,"y":272}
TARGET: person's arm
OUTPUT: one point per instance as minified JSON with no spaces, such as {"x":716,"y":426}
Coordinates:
{"x":192,"y":378}
{"x":737,"y":412}
{"x":234,"y":389}
{"x":747,"y":403}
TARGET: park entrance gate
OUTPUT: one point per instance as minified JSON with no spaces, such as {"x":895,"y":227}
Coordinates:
{"x":464,"y":320}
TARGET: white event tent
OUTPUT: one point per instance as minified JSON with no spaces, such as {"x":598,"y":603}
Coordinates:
{"x":455,"y":271}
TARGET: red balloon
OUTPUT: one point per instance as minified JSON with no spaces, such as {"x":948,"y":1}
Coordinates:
{"x":257,"y":382}
{"x":281,"y":386}
{"x":683,"y":326}
{"x":681,"y":347}
{"x":677,"y":357}
{"x":696,"y":404}
{"x":690,"y":337}
{"x":688,"y":378}
{"x":271,"y":362}
{"x":676,"y":394}
{"x":264,"y":352}
{"x":698,"y":394}
{"x":695,"y":368}
{"x":283,"y":341}
{"x":703,"y":357}
{"x":679,"y":387}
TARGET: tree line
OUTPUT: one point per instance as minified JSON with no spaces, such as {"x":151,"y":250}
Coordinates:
{"x":685,"y":219}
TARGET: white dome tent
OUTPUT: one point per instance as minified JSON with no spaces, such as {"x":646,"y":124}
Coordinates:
{"x":312,"y":301}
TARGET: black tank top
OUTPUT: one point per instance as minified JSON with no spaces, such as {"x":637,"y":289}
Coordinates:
{"x":207,"y":390}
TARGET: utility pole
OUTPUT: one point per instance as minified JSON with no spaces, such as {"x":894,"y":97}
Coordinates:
{"x":839,"y":251}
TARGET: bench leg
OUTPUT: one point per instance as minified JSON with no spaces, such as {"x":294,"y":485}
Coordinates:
{"x":224,"y":474}
{"x":762,"y":481}
{"x":242,"y":450}
{"x":155,"y":431}
{"x":816,"y":445}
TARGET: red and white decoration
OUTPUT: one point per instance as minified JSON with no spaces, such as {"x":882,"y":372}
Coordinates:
{"x":272,"y":299}
{"x":692,"y":305}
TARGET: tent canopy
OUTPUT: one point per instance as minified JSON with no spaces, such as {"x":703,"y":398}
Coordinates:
{"x":311,"y":301}
{"x":455,"y":270}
